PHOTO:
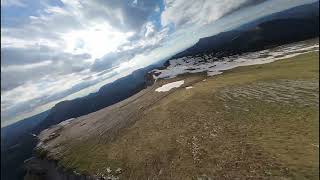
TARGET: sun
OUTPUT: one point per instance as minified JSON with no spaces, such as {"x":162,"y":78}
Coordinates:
{"x":97,"y":40}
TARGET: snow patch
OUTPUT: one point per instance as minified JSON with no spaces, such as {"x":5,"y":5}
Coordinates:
{"x":214,"y":66}
{"x":169,"y":86}
{"x":189,"y":87}
{"x":63,"y":123}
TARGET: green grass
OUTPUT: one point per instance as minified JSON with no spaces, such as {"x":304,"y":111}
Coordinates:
{"x":210,"y":131}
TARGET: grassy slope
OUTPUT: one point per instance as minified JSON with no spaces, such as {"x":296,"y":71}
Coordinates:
{"x":249,"y":123}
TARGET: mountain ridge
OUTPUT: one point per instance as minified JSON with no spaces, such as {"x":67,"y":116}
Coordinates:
{"x":298,"y":23}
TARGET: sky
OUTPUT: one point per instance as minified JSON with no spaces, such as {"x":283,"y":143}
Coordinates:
{"x":55,"y":50}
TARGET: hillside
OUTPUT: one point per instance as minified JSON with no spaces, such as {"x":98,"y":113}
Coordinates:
{"x":254,"y":122}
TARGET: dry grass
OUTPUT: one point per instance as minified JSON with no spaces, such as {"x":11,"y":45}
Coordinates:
{"x":255,"y":122}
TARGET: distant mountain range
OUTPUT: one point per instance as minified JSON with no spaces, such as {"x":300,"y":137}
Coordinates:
{"x":107,"y":95}
{"x":295,"y":24}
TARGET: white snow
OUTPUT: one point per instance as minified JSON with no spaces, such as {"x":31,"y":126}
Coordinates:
{"x":63,"y":123}
{"x":169,"y":86}
{"x":213,"y":66}
{"x":189,"y":87}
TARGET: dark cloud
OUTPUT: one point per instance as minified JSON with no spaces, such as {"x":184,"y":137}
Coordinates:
{"x":20,"y":65}
{"x":111,"y":60}
{"x":36,"y":54}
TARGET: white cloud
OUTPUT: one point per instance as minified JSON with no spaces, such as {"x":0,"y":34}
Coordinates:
{"x":13,"y":3}
{"x":96,"y":40}
{"x":26,"y":67}
{"x":157,"y":9}
{"x":196,"y":12}
{"x":150,"y":29}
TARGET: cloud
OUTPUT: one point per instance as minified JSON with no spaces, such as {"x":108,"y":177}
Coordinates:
{"x":199,"y":12}
{"x":150,"y":29}
{"x":13,"y":3}
{"x":20,"y":65}
{"x":34,"y":54}
{"x":141,"y":43}
{"x":110,"y":60}
{"x":123,"y":15}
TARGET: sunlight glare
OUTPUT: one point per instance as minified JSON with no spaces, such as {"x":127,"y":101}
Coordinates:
{"x":97,"y":40}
